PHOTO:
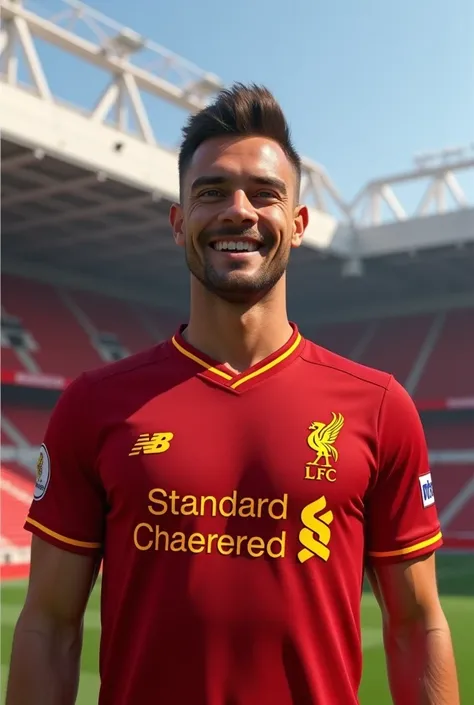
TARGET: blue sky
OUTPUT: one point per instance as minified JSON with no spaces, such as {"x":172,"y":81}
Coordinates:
{"x":365,"y":84}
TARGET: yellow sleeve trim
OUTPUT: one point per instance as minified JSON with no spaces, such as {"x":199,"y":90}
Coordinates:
{"x":60,"y":537}
{"x":408,"y":549}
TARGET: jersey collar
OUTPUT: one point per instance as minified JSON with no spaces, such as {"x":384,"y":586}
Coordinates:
{"x":219,"y":374}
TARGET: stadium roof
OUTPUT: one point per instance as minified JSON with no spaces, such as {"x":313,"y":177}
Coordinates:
{"x":65,"y":224}
{"x":85,"y":195}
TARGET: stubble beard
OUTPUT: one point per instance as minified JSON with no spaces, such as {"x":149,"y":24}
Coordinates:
{"x":235,"y":287}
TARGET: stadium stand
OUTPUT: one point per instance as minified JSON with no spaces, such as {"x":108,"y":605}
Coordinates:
{"x":70,"y":331}
{"x":449,"y":370}
{"x":429,"y":354}
{"x":126,"y":324}
{"x":10,"y":360}
{"x":49,"y":336}
{"x":450,"y":436}
{"x":376,"y":343}
{"x":27,"y":421}
{"x":60,"y":345}
{"x":454,"y":486}
{"x":396,"y":343}
{"x":67,"y":331}
{"x":15,"y":497}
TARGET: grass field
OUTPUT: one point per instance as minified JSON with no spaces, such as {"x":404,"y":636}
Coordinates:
{"x":456,"y":581}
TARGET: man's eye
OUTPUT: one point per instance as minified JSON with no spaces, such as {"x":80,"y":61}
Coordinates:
{"x":211,"y":193}
{"x":266,"y":194}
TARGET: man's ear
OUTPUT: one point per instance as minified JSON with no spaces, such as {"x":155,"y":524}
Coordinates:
{"x":177,"y":224}
{"x":300,"y":223}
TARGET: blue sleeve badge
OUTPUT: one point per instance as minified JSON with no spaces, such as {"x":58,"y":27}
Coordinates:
{"x":426,"y":487}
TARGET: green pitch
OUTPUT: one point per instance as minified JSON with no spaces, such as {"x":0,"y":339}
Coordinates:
{"x":456,"y":581}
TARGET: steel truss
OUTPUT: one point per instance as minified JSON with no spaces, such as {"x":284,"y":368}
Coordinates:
{"x":138,"y":66}
{"x":135,"y":65}
{"x":440,"y":182}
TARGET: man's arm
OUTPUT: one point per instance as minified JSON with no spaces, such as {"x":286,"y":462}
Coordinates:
{"x":47,"y":643}
{"x":419,"y":651}
{"x":403,"y":532}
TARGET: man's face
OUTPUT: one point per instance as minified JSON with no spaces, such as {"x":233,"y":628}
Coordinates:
{"x":238,"y":218}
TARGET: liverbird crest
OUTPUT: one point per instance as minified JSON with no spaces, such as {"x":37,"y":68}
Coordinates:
{"x":323,"y":438}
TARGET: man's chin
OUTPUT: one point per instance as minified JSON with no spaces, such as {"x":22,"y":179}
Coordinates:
{"x":236,"y":289}
{"x":239,"y":287}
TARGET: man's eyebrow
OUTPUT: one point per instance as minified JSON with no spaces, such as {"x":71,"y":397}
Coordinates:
{"x":207,"y":181}
{"x":272,"y":181}
{"x":214,"y":180}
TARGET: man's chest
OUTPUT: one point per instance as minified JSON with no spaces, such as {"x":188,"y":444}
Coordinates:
{"x":287,"y":445}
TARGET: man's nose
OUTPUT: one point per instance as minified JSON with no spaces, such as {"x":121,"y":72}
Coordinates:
{"x":239,"y":209}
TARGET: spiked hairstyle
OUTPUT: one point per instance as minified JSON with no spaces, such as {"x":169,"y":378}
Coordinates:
{"x":240,"y":110}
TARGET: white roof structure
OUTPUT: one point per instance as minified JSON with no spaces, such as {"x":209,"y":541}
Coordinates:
{"x":86,"y":189}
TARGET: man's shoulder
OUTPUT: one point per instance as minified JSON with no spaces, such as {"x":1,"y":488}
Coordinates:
{"x":133,"y":365}
{"x":322,"y":358}
{"x":149,"y":369}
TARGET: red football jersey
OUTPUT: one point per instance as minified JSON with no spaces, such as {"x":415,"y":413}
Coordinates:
{"x":234,"y":514}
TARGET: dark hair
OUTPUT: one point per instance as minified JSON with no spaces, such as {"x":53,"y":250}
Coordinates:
{"x":239,"y":110}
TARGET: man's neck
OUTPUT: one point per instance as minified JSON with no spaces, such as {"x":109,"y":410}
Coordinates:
{"x":237,"y":335}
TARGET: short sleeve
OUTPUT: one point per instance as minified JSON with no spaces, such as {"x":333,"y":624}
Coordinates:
{"x":68,"y":507}
{"x":402,"y":519}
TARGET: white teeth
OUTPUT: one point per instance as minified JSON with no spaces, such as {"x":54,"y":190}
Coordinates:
{"x":233,"y":246}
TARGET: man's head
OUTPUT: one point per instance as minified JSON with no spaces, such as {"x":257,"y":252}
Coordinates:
{"x":239,"y":214}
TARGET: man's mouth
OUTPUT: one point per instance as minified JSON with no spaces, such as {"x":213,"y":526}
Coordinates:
{"x":236,"y":245}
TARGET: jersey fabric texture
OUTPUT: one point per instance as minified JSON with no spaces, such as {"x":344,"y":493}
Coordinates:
{"x":234,"y":514}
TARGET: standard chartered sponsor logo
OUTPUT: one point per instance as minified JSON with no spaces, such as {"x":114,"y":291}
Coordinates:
{"x":314,"y":537}
{"x":315,"y":534}
{"x":148,"y":537}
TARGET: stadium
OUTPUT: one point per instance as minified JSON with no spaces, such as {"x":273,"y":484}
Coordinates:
{"x":90,"y":274}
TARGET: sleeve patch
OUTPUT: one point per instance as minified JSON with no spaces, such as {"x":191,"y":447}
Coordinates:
{"x":426,"y":488}
{"x":43,"y":474}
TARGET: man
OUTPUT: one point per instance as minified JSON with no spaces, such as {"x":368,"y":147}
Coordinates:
{"x":235,"y":480}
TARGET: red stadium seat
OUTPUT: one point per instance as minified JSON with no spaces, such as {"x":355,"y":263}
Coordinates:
{"x":15,"y":499}
{"x":449,"y":481}
{"x":30,"y":422}
{"x":340,"y":338}
{"x":453,"y":486}
{"x":450,"y":436}
{"x":10,"y":360}
{"x":64,"y":347}
{"x":112,"y":316}
{"x":395,"y":345}
{"x":63,"y":333}
{"x":449,"y":370}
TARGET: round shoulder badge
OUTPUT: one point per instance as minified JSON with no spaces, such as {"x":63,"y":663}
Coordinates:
{"x":43,"y":473}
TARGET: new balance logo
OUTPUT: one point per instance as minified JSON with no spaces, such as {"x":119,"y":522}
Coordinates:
{"x":148,"y":444}
{"x":315,"y":534}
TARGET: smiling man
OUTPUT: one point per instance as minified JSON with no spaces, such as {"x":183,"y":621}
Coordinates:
{"x":239,"y":258}
{"x":235,"y":480}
